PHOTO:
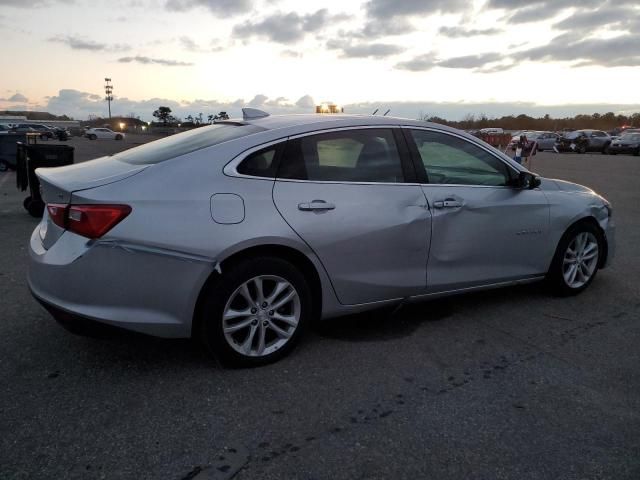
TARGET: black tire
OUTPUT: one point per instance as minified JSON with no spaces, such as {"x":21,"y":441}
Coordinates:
{"x":118,"y":137}
{"x":35,"y":208}
{"x":555,"y":277}
{"x":92,"y":137}
{"x":218,"y":293}
{"x":582,"y":149}
{"x":637,"y":152}
{"x":4,"y":166}
{"x":26,"y":202}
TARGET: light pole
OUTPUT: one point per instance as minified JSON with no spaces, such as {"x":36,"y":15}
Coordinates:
{"x":108,"y":89}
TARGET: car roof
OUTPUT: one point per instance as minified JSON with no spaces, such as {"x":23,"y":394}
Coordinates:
{"x":312,"y":122}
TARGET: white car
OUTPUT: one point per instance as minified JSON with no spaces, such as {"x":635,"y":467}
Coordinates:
{"x":96,"y":133}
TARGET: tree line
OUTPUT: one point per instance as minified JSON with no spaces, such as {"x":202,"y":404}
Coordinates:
{"x":607,"y":121}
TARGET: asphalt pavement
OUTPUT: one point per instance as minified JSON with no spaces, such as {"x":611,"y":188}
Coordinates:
{"x":507,"y":384}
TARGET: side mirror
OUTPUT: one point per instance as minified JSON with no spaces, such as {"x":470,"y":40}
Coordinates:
{"x":528,"y":181}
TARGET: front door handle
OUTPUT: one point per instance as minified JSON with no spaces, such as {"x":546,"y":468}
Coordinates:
{"x":447,"y":203}
{"x":317,"y":205}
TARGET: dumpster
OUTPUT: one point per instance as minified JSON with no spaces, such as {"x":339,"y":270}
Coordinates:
{"x":8,"y":149}
{"x":30,"y":157}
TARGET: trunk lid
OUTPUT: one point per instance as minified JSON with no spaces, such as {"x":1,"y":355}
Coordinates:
{"x":58,"y":184}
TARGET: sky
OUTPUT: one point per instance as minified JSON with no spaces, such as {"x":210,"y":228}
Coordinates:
{"x":449,"y":58}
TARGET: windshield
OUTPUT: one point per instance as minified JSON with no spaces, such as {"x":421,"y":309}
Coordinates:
{"x":187,"y":142}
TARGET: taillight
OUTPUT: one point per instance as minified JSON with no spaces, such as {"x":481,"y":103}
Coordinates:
{"x":57,"y":213}
{"x":91,"y":221}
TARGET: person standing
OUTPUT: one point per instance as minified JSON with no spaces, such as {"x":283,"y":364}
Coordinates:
{"x":519,"y":148}
{"x":529,"y":149}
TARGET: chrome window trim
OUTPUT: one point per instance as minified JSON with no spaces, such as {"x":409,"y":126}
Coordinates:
{"x":230,"y":169}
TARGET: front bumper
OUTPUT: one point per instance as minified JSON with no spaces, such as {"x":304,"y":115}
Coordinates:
{"x":147,"y":291}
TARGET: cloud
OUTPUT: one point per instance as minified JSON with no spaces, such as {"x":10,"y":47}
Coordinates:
{"x":306,"y":102}
{"x":220,"y":8}
{"x":609,"y":52}
{"x":191,"y":45}
{"x":470,"y":61}
{"x":32,"y":3}
{"x":77,"y":43}
{"x":525,"y":11}
{"x":364,"y":50}
{"x":420,"y":63}
{"x":154,"y":61}
{"x":286,"y":27}
{"x":386,"y":9}
{"x":80,"y":105}
{"x":16,"y":97}
{"x":457,"y":32}
{"x":619,"y":17}
{"x":291,"y":53}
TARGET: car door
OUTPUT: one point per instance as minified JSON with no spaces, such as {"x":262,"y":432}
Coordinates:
{"x":484,"y":231}
{"x":351,"y":195}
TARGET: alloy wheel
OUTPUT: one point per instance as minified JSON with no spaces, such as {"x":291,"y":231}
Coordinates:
{"x":580,"y":260}
{"x":261,"y":315}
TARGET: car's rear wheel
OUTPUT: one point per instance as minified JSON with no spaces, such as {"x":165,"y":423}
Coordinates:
{"x":92,"y":137}
{"x":605,"y":150}
{"x":637,"y":152}
{"x":576,"y":261}
{"x":118,"y":137}
{"x":255,"y":313}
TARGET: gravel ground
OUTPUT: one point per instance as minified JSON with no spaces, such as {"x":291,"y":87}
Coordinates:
{"x":508,"y":384}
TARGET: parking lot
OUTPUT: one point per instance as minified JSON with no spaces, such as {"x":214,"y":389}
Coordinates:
{"x":506,"y":384}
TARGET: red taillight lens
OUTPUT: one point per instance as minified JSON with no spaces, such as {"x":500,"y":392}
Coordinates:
{"x":94,"y":221}
{"x":58,"y":213}
{"x":91,"y":221}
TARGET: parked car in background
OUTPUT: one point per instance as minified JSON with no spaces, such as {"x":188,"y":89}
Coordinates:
{"x":531,"y":135}
{"x":492,"y":130}
{"x":243,"y":232}
{"x":582,"y":141}
{"x":43,"y":130}
{"x":4,"y":128}
{"x":103,"y":133}
{"x":546,"y":140}
{"x":626,"y":143}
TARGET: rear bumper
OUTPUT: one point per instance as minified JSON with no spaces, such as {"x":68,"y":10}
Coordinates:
{"x":622,"y":149}
{"x":144,"y":291}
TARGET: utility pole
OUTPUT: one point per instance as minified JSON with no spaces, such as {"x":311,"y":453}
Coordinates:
{"x":108,"y":89}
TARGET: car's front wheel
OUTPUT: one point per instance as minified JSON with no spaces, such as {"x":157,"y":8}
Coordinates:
{"x":92,"y":137}
{"x":255,"y":313}
{"x":576,"y":260}
{"x":118,"y":137}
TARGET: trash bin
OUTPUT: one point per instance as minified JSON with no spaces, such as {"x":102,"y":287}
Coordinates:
{"x":8,"y":149}
{"x":30,"y":157}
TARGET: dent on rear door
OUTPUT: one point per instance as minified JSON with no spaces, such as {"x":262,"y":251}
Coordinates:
{"x":373,"y":244}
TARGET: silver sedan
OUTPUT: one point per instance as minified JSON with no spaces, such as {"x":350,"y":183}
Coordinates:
{"x":241,"y":233}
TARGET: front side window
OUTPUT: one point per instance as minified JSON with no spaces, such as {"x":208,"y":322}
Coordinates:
{"x":452,"y":160}
{"x":359,"y":155}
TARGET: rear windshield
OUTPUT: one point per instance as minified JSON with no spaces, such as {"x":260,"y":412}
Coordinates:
{"x":183,"y":143}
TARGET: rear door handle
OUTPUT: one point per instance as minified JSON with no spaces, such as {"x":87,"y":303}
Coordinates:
{"x":317,"y":205}
{"x":447,"y":203}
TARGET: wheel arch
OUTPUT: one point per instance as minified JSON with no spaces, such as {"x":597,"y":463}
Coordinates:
{"x":288,"y":253}
{"x":593,"y":221}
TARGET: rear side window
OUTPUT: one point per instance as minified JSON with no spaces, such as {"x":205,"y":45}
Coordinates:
{"x":187,"y":142}
{"x":259,"y":164}
{"x":362,"y":155}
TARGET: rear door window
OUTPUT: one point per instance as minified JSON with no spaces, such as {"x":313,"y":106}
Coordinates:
{"x":358,"y":155}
